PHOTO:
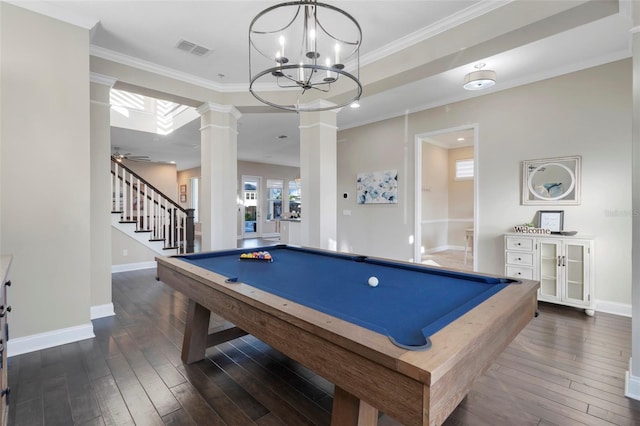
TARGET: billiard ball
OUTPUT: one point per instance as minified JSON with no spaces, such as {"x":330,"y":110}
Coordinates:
{"x":373,"y":281}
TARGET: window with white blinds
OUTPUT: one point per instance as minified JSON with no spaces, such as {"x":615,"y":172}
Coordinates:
{"x":464,"y":169}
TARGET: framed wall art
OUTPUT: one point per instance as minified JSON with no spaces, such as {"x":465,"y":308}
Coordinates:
{"x":377,"y":187}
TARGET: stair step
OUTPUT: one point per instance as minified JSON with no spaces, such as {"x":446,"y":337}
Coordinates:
{"x":170,"y":248}
{"x":142,"y":230}
{"x":128,"y":221}
{"x":114,"y":211}
{"x":156,"y":239}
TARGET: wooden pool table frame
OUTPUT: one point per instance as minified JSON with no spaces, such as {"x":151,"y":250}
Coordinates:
{"x":369,"y":372}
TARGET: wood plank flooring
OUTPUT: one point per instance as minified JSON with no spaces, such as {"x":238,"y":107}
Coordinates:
{"x":565,"y":368}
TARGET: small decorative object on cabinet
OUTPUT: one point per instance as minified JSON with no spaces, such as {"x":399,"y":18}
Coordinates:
{"x":5,"y":263}
{"x":562,"y":264}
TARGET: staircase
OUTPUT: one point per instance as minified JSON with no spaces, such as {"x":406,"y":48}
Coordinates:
{"x":144,"y":213}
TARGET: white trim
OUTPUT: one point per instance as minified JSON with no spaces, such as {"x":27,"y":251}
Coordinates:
{"x":216,"y":126}
{"x":101,"y":311}
{"x":442,"y":248}
{"x":445,"y":220}
{"x":100,"y":103}
{"x":133,"y":266}
{"x":110,"y":55}
{"x":458,"y":18}
{"x":321,"y":103}
{"x":310,"y":126}
{"x":622,"y":309}
{"x":36,"y":342}
{"x":270,"y":235}
{"x":226,"y":109}
{"x":631,"y":384}
{"x":105,"y":80}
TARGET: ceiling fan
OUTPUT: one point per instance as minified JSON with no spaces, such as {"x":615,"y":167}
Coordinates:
{"x":128,"y":156}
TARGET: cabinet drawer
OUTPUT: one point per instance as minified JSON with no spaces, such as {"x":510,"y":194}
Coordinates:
{"x":519,"y":243}
{"x":518,"y":272}
{"x":519,"y":258}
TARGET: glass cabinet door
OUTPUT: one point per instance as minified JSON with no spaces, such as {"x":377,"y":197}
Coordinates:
{"x":549,"y":268}
{"x":574,"y":263}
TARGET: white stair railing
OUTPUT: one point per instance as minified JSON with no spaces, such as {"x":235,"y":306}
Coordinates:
{"x":139,"y":202}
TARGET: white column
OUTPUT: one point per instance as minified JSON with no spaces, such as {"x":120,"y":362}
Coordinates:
{"x":101,"y":204}
{"x":219,"y":176}
{"x":318,"y":173}
{"x":632,"y":385}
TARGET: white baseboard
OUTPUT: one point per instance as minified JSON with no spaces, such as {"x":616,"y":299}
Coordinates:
{"x":133,"y":266}
{"x":443,"y":248}
{"x":36,"y":342}
{"x":631,"y":385}
{"x":622,"y":309}
{"x":101,"y":311}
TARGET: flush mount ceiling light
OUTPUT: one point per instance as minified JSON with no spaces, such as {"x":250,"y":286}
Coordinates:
{"x":302,"y":47}
{"x":481,"y":79}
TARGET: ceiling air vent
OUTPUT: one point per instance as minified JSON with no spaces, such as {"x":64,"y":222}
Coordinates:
{"x":193,"y":48}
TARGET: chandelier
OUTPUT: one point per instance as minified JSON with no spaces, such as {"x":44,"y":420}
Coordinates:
{"x":299,"y":50}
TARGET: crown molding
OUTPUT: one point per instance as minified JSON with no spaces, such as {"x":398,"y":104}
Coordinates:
{"x":121,"y":58}
{"x":105,"y":80}
{"x":459,"y":18}
{"x":56,"y":12}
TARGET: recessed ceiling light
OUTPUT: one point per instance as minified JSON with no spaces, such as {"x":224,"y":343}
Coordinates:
{"x":172,"y":162}
{"x":460,"y":139}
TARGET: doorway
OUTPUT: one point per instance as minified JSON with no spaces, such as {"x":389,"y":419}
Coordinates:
{"x":446,"y":197}
{"x":251,"y":207}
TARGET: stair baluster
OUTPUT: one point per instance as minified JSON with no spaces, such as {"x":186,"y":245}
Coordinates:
{"x":153,"y":213}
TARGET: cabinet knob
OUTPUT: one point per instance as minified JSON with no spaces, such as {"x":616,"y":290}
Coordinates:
{"x":519,"y":258}
{"x":8,"y":283}
{"x":519,"y":273}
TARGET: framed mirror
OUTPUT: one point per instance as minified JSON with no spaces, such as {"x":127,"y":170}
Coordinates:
{"x":551,"y":181}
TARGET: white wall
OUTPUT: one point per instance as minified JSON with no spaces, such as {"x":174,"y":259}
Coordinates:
{"x":127,"y":251}
{"x":162,"y":176}
{"x":45,"y":171}
{"x":586,"y":113}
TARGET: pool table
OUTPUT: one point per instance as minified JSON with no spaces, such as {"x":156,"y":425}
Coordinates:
{"x":410,"y":347}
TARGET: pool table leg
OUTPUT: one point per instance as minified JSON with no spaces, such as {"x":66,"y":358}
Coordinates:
{"x":196,"y":330}
{"x":349,"y":410}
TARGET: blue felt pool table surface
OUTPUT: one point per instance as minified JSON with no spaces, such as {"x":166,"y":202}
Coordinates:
{"x":411,"y":302}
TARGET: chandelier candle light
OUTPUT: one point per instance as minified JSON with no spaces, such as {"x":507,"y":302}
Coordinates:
{"x":302,"y":47}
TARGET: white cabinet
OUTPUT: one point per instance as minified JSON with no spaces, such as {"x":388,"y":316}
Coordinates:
{"x":563,"y":265}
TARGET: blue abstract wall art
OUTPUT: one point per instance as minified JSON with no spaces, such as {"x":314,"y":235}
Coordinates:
{"x":377,"y":187}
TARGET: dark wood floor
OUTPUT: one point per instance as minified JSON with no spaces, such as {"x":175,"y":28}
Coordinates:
{"x":564,"y":369}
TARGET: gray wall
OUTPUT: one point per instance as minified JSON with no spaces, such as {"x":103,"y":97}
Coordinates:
{"x":45,"y":170}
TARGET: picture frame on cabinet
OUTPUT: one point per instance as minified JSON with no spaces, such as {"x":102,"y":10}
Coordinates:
{"x":552,"y":220}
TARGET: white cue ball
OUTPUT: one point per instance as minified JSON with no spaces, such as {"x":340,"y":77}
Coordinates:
{"x":373,"y":281}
